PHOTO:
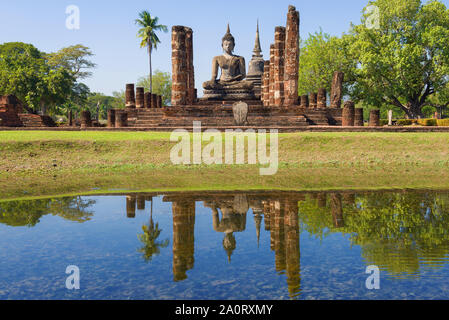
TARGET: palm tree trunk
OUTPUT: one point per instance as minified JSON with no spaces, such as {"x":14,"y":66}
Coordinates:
{"x":151,"y":69}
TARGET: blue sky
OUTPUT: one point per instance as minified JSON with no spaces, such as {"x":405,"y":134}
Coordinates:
{"x":108,"y":28}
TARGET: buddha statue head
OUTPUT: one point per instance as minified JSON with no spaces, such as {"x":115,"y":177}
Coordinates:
{"x":228,"y":42}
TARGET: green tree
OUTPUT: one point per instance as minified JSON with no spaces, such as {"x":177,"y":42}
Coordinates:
{"x":161,"y":85}
{"x":322,"y":55}
{"x":103,"y":103}
{"x":147,"y":32}
{"x":406,"y":60}
{"x":24,"y":72}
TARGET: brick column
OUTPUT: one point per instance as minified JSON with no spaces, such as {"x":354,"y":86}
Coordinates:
{"x":190,"y":68}
{"x":140,"y":93}
{"x":121,"y":119}
{"x":337,"y":89}
{"x":305,"y":101}
{"x":374,"y":118}
{"x":86,"y":120}
{"x":291,"y":68}
{"x":159,"y":102}
{"x":153,"y":100}
{"x":271,"y":85}
{"x":179,"y":66}
{"x":358,"y":117}
{"x":313,"y":100}
{"x":348,"y":114}
{"x":111,"y":118}
{"x":279,"y":48}
{"x":130,"y":98}
{"x":322,"y":98}
{"x":266,"y":84}
{"x":147,"y":100}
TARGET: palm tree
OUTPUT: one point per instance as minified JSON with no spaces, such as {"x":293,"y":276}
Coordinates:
{"x":147,"y":32}
{"x":149,"y":238}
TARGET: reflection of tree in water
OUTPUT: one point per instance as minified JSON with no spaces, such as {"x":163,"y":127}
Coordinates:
{"x":151,"y":233}
{"x":29,"y":212}
{"x":399,"y":232}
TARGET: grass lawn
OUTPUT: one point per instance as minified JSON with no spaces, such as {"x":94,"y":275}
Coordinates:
{"x":41,"y":163}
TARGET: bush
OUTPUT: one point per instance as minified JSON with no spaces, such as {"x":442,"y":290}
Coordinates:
{"x":405,"y":122}
{"x":427,"y":122}
{"x":443,"y":122}
{"x":383,"y":122}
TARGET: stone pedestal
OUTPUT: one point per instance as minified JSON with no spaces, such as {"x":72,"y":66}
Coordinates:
{"x":86,"y":120}
{"x":348,"y":114}
{"x":121,"y":119}
{"x":140,"y":94}
{"x":322,"y":98}
{"x":279,"y":48}
{"x":337,"y":89}
{"x":358,"y":117}
{"x":179,"y":66}
{"x":374,"y":118}
{"x":111,"y":118}
{"x":291,"y":67}
{"x":130,"y":98}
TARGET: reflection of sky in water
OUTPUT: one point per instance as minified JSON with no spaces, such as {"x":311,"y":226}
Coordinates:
{"x":105,"y":248}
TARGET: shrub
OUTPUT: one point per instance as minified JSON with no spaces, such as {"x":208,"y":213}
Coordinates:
{"x":383,"y":122}
{"x":404,"y":122}
{"x":443,"y":122}
{"x":427,"y":122}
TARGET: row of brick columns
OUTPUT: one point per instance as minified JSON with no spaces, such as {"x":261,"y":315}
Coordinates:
{"x":352,"y":116}
{"x":183,"y":72}
{"x":280,"y":78}
{"x":140,"y":99}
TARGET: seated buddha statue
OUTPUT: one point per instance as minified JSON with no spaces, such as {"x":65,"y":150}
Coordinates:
{"x":231,"y":85}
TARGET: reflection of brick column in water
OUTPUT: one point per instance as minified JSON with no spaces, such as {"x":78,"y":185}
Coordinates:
{"x":131,"y":206}
{"x":266,"y":215}
{"x":278,"y":234}
{"x":349,"y":198}
{"x":293,"y":269}
{"x":183,"y":238}
{"x":321,"y":200}
{"x":337,"y":210}
{"x":140,"y":202}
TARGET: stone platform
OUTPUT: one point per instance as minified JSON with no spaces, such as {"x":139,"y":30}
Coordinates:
{"x":221,"y":115}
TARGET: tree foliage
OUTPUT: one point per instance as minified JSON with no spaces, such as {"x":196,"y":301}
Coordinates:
{"x":162,"y":82}
{"x":149,"y":26}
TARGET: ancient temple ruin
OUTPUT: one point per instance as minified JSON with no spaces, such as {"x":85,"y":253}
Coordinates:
{"x":269,"y":89}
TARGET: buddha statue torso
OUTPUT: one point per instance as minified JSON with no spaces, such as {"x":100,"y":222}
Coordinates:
{"x":233,"y":73}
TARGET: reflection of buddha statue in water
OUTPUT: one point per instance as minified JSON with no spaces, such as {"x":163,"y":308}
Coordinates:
{"x":231,"y":85}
